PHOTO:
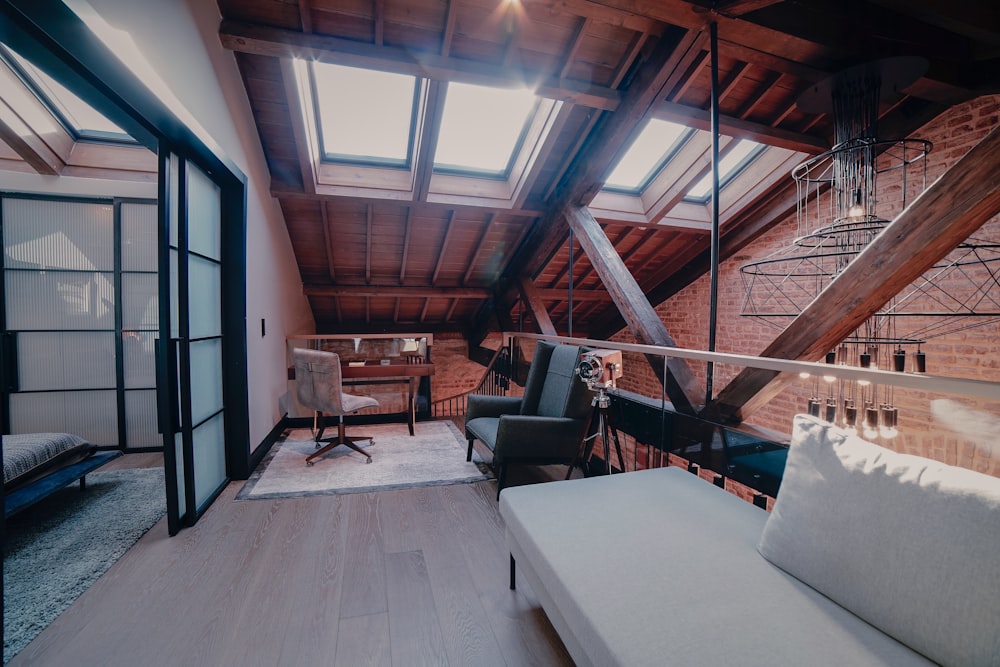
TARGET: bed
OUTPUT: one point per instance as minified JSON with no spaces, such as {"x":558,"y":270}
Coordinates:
{"x":36,"y":465}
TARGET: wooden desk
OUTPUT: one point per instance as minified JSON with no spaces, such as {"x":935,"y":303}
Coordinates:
{"x":397,"y":371}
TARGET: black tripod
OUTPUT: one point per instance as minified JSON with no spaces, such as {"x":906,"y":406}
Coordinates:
{"x":600,"y":424}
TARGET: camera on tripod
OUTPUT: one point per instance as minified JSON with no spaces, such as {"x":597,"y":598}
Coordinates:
{"x":600,"y":369}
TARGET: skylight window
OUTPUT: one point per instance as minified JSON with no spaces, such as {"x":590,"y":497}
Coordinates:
{"x":482,"y":128}
{"x":365,"y":116}
{"x":735,"y":161}
{"x":81,"y":119}
{"x":653,"y":148}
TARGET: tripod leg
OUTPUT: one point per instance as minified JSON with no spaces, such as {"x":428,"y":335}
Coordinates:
{"x":608,"y":426}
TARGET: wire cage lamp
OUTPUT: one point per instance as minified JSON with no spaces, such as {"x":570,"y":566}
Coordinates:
{"x":845,"y":198}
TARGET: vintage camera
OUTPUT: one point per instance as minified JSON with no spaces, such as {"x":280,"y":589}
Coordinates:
{"x":600,"y":368}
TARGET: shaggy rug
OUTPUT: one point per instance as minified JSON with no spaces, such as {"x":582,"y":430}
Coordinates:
{"x":59,"y":547}
{"x":433,"y":456}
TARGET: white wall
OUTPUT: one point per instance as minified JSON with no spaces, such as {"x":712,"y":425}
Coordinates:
{"x":180,"y":40}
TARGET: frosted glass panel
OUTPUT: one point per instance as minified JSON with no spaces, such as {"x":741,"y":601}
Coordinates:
{"x":60,"y":300}
{"x":181,"y":494}
{"x":140,"y":301}
{"x":92,"y":415}
{"x":209,"y":458}
{"x":206,"y":378}
{"x":204,"y":214}
{"x":69,"y":360}
{"x":140,"y":358}
{"x":58,"y":235}
{"x":174,"y":322}
{"x":173,"y":210}
{"x":205,"y":298}
{"x":140,"y":419}
{"x":139,"y":237}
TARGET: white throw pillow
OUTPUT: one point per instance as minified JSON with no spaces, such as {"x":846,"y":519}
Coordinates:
{"x":908,"y":544}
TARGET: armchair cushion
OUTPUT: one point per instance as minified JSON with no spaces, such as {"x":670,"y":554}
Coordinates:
{"x":527,"y":437}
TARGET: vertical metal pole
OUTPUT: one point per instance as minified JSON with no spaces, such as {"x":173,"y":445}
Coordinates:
{"x":569,"y":296}
{"x":714,"y":268}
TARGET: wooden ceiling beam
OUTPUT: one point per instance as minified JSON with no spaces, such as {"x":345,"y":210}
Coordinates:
{"x":958,"y":203}
{"x":300,"y":121}
{"x":581,"y":30}
{"x":280,"y":43}
{"x":284,"y":192}
{"x":378,"y":9}
{"x":735,"y":8}
{"x":536,"y":307}
{"x":305,"y":16}
{"x":554,"y":294}
{"x":700,"y":119}
{"x":394,"y":291}
{"x":643,"y":322}
{"x":449,"y":28}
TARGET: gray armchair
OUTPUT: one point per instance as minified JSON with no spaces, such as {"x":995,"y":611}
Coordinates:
{"x":545,"y":426}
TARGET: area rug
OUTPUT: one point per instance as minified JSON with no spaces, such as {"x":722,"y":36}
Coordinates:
{"x":433,"y":456}
{"x":56,"y":549}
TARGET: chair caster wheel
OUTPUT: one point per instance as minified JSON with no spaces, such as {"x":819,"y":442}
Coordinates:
{"x":309,"y":463}
{"x":369,"y":460}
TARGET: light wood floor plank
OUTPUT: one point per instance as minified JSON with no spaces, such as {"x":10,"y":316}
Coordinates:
{"x":362,"y":641}
{"x":414,"y":631}
{"x":310,"y":581}
{"x":363,"y":588}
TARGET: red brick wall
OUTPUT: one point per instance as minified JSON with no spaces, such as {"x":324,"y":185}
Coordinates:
{"x":974,"y":353}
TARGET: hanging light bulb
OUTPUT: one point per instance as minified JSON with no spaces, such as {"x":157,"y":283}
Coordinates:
{"x":831,"y":358}
{"x":857,"y":209}
{"x":889,"y":418}
{"x":866,"y":362}
{"x":899,"y":360}
{"x":804,"y":375}
{"x":814,"y":406}
{"x":851,"y":417}
{"x":871,"y":423}
{"x":831,"y":411}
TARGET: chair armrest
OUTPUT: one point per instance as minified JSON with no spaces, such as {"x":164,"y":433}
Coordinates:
{"x":483,"y":405}
{"x":532,"y":437}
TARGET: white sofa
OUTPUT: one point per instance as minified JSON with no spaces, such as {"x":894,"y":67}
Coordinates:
{"x":869,"y":557}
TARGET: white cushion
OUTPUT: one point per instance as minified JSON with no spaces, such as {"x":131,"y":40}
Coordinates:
{"x":908,"y":544}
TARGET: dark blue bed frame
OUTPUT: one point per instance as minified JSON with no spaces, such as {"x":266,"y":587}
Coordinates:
{"x":44,"y":487}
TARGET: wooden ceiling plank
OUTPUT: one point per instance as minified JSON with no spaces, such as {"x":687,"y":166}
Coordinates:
{"x":328,"y":237}
{"x":394,"y":291}
{"x":449,"y":28}
{"x":728,"y":84}
{"x":423,"y":311}
{"x":379,"y":12}
{"x":279,"y":43}
{"x":305,"y":16}
{"x":395,"y":310}
{"x":443,"y":252}
{"x":406,"y":245}
{"x":448,"y":317}
{"x":531,"y":298}
{"x":628,"y":57}
{"x":758,"y":95}
{"x":689,"y":77}
{"x":578,"y":35}
{"x":480,"y":242}
{"x":642,"y":320}
{"x":958,"y":203}
{"x":369,"y":215}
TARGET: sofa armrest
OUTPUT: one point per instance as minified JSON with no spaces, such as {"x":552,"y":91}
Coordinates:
{"x":524,"y":437}
{"x":482,"y":405}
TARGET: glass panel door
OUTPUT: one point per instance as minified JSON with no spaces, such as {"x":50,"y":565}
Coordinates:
{"x":191,"y":368}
